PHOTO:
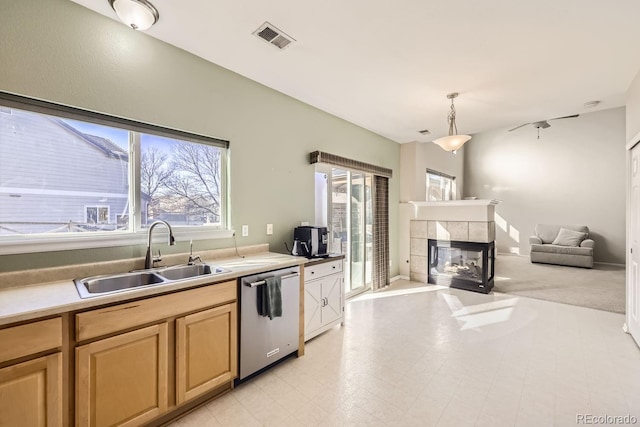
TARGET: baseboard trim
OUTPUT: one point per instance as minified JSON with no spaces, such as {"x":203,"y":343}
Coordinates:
{"x":398,"y":277}
{"x":610,"y":263}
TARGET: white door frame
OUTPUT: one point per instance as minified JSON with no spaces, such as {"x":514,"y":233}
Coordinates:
{"x":631,"y":326}
{"x":328,"y":170}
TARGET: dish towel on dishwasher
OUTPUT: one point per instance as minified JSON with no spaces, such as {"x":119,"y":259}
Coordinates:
{"x":270,"y":298}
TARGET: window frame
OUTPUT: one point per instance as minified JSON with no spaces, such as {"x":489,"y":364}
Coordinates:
{"x":135,"y":235}
{"x":452,"y":190}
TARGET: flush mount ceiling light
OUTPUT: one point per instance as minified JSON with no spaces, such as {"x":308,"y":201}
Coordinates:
{"x":454,"y":141}
{"x":137,"y":14}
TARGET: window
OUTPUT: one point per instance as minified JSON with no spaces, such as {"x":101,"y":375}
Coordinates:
{"x":180,"y":181}
{"x":65,"y":172}
{"x":440,"y":186}
{"x":97,"y":214}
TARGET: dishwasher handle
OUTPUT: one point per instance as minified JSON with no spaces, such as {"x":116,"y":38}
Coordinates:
{"x":262,"y":282}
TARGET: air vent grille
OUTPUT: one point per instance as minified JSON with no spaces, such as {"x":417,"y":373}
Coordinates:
{"x":268,"y":34}
{"x":274,"y":36}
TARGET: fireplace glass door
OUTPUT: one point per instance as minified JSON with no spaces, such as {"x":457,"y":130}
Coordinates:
{"x":458,"y":263}
{"x":464,"y":265}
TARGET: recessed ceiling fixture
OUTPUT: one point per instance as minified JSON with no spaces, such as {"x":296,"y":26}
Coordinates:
{"x":137,"y":14}
{"x":591,"y":104}
{"x":454,"y":141}
{"x":425,"y":132}
{"x":274,"y":36}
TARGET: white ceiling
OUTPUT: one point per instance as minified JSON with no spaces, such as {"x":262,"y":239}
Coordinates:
{"x":388,"y":66}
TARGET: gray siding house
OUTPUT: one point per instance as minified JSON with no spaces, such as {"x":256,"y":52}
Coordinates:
{"x":56,"y":178}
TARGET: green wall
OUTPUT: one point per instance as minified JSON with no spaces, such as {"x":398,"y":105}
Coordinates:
{"x":59,"y":51}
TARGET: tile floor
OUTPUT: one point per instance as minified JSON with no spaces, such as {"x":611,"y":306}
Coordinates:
{"x":421,"y":355}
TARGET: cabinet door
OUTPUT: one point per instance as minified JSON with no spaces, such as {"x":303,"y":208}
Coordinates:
{"x":332,"y":294}
{"x":312,"y":306}
{"x":31,"y":393}
{"x":122,"y":381}
{"x":206,"y":351}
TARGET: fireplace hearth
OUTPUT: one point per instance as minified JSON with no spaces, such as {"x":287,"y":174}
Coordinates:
{"x":462,"y":265}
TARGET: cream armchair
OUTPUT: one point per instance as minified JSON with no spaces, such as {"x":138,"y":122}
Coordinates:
{"x":562,"y":245}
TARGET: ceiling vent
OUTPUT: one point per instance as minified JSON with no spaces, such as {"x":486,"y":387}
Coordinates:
{"x":425,"y":132}
{"x":274,"y":36}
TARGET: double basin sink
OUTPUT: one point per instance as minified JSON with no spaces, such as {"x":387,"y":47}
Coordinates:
{"x":112,"y":283}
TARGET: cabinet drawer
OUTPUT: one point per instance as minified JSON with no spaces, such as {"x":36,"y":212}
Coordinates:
{"x":31,"y":338}
{"x":321,"y":270}
{"x":108,"y":320}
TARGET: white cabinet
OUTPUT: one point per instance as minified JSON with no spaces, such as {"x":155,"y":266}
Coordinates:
{"x":323,"y":297}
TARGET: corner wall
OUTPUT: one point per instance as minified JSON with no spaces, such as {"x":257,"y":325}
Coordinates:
{"x":59,"y":51}
{"x":573,"y":174}
{"x":415,"y":158}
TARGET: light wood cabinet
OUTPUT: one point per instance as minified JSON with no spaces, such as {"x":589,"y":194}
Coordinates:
{"x":132,"y":378}
{"x":206,"y":351}
{"x":31,"y":390}
{"x":323,"y":297}
{"x":123,"y":380}
{"x":31,"y":393}
{"x":103,"y":321}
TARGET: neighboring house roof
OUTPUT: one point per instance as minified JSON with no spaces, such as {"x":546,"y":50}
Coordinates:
{"x":48,"y":146}
{"x":103,"y":144}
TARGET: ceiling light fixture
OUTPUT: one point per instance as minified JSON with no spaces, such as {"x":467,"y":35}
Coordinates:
{"x":454,"y":141}
{"x":137,"y":14}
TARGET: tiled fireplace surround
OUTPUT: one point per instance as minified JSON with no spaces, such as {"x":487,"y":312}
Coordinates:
{"x":471,"y":221}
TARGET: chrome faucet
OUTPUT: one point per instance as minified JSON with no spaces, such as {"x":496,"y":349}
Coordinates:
{"x":193,"y":259}
{"x":149,"y":258}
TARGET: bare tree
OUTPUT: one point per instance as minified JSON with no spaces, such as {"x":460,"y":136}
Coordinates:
{"x":195,"y":178}
{"x":154,"y":172}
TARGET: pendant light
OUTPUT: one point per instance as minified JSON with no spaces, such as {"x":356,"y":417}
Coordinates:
{"x":454,"y":141}
{"x":137,"y":14}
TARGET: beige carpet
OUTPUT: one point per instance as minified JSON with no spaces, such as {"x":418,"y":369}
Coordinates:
{"x":602,"y":287}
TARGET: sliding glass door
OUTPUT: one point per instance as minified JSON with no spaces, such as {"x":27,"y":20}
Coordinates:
{"x":350,"y":225}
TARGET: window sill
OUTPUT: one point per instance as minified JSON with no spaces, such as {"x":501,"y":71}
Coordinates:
{"x":29,"y":244}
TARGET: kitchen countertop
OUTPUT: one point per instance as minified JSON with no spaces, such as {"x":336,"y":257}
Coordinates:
{"x":316,"y":261}
{"x":37,"y":300}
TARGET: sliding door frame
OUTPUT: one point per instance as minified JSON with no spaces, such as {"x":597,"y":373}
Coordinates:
{"x":367,"y":262}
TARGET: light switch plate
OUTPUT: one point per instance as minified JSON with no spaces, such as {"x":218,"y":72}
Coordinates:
{"x":269,"y":229}
{"x":245,"y":230}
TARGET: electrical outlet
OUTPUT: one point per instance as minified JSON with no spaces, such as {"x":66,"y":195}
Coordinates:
{"x":245,"y":230}
{"x":269,"y":229}
{"x":303,"y":223}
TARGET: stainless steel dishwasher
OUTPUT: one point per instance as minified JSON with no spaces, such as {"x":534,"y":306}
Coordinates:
{"x":264,"y":341}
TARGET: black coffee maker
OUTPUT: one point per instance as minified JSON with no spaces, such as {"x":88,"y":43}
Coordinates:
{"x":310,"y":241}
